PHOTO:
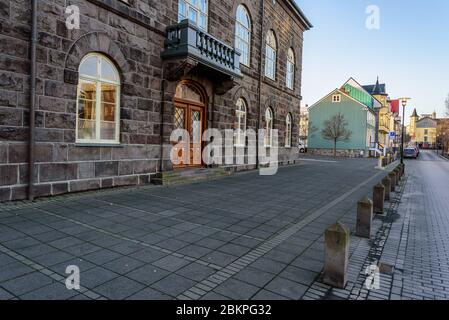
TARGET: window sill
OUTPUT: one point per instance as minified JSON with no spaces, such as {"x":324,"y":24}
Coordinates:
{"x":98,"y":145}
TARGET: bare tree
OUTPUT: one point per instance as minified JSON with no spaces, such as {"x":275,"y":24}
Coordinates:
{"x":312,"y":128}
{"x":335,"y":129}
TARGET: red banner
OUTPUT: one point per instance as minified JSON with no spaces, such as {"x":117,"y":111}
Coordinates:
{"x":395,"y":106}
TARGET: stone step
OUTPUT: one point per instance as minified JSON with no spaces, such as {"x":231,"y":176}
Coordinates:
{"x":186,"y":176}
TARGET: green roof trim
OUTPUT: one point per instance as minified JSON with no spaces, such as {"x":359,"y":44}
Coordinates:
{"x":359,"y":95}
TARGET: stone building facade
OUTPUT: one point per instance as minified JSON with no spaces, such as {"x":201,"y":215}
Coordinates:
{"x":89,"y":138}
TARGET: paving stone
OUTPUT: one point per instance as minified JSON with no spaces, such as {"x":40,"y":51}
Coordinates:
{"x":4,"y":295}
{"x":123,"y":265}
{"x":119,"y":288}
{"x":268,"y":265}
{"x":149,"y":294}
{"x":96,"y":276}
{"x":254,"y":277}
{"x":236,"y":290}
{"x":54,"y":291}
{"x":147,"y":255}
{"x":27,"y":283}
{"x":219,"y":258}
{"x":265,"y":295}
{"x":147,"y":274}
{"x":287,"y":288}
{"x":102,"y":256}
{"x":196,"y":272}
{"x":173,"y":285}
{"x":302,"y":276}
{"x":13,"y":270}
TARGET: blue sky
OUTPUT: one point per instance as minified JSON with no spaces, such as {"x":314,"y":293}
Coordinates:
{"x":410,"y":51}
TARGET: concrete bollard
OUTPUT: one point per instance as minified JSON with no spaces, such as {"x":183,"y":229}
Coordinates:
{"x":402,"y":166}
{"x":392,"y":177}
{"x":398,"y":169}
{"x":387,"y":183}
{"x":336,"y":255}
{"x":364,"y":218}
{"x":398,"y":176}
{"x":379,"y":198}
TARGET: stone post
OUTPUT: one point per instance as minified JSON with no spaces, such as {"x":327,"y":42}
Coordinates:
{"x":398,"y":176}
{"x":336,"y":255}
{"x":392,"y":177}
{"x":387,"y":183}
{"x":364,"y":218}
{"x":399,"y":168}
{"x":379,"y":198}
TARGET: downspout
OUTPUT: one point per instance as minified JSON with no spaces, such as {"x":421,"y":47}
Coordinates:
{"x":262,"y":8}
{"x":32,"y":100}
{"x":163,"y":84}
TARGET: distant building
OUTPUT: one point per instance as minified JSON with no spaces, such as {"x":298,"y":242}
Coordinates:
{"x":304,"y":124}
{"x":424,"y":129}
{"x":358,"y":107}
{"x":388,"y":119}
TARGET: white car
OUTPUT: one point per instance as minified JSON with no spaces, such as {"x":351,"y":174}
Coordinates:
{"x":302,"y":147}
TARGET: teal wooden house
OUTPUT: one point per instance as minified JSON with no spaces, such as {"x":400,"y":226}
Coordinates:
{"x":358,"y":107}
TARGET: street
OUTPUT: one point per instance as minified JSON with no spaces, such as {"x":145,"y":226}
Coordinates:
{"x":242,"y":237}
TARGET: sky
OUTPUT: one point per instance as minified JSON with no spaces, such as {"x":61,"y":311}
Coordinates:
{"x":409,"y":52}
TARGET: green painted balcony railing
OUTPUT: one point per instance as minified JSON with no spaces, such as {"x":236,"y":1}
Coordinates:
{"x":186,"y":40}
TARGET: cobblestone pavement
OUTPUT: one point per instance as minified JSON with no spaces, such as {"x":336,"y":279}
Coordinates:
{"x":242,"y":237}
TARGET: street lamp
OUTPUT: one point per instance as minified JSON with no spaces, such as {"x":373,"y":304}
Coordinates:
{"x":404,"y":104}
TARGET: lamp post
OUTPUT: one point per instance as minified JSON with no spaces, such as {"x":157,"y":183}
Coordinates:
{"x":404,"y":104}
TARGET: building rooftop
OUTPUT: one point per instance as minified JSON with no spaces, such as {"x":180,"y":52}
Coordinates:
{"x":378,"y":88}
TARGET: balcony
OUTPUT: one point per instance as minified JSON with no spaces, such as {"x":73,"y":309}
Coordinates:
{"x":187,"y":43}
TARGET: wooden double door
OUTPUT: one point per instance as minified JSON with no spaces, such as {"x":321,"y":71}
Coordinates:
{"x":190,"y":117}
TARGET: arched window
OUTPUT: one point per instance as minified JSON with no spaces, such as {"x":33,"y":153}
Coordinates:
{"x":290,"y":81}
{"x":98,"y":101}
{"x":270,"y":55}
{"x":240,"y":122}
{"x":288,"y":130}
{"x":269,"y":127}
{"x":194,"y":10}
{"x":243,"y":34}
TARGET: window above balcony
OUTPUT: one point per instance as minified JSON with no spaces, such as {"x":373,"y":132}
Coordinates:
{"x":194,"y":10}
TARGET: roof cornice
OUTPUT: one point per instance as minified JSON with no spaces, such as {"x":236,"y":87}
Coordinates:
{"x":300,"y":14}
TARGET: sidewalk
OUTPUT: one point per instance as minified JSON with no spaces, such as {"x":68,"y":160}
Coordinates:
{"x":412,"y":238}
{"x":243,"y":237}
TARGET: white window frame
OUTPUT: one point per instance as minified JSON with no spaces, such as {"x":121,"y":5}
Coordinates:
{"x":240,"y":130}
{"x":288,"y":130}
{"x":194,"y":6}
{"x":336,"y":98}
{"x":290,"y":77}
{"x":270,"y":55}
{"x":242,"y":30}
{"x":269,"y":119}
{"x":98,"y":81}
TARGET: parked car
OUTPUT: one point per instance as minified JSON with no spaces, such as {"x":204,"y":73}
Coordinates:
{"x":302,"y":147}
{"x":411,"y":152}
